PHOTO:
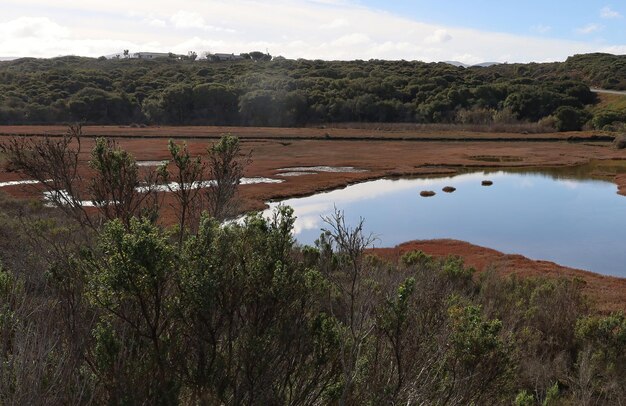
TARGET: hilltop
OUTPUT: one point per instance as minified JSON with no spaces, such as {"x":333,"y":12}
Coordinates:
{"x":304,"y":92}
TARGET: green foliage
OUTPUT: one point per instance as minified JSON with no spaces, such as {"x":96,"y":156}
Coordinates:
{"x":601,"y":70}
{"x":473,"y":338}
{"x":226,"y":168}
{"x":418,"y":258}
{"x":525,"y":399}
{"x":609,"y":331}
{"x":552,"y":395}
{"x":114,"y":187}
{"x":130,"y":277}
{"x":605,"y":118}
{"x":454,"y":268}
{"x":287,"y":92}
{"x":570,"y":118}
{"x":601,"y":361}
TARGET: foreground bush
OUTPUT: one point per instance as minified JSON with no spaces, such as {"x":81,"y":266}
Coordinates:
{"x":118,"y":309}
{"x":240,"y":314}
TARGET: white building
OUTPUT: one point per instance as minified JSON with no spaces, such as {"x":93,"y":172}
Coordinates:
{"x":140,"y":55}
{"x":228,"y":57}
{"x":150,"y":55}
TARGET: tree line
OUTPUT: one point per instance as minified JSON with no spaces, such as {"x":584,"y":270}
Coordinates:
{"x":109,"y":305}
{"x":300,"y":92}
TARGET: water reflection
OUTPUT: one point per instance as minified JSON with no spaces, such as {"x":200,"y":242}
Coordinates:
{"x":574,"y":222}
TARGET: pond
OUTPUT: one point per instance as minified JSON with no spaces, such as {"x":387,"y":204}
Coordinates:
{"x":571,"y":221}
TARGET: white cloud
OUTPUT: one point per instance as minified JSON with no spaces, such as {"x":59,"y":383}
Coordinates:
{"x":322,"y":29}
{"x":614,"y":49}
{"x":589,"y":29}
{"x":187,"y":19}
{"x":541,"y":29}
{"x":33,"y":27}
{"x":438,"y":37}
{"x":351,"y":40}
{"x":609,"y":13}
{"x":155,"y":22}
{"x":191,"y":19}
{"x":337,"y":23}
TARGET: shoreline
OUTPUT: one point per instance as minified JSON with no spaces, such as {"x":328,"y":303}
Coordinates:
{"x":607,"y":293}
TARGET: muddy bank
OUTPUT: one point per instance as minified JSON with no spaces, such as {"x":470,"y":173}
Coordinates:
{"x":607,"y":293}
{"x":620,"y":180}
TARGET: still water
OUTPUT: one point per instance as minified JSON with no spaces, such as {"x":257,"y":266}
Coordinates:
{"x":573,"y":222}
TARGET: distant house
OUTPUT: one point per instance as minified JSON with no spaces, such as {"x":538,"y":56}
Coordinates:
{"x":141,"y":55}
{"x":150,"y":55}
{"x":227,"y":57}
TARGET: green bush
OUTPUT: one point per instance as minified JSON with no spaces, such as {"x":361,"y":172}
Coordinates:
{"x":605,"y":118}
{"x":570,"y":118}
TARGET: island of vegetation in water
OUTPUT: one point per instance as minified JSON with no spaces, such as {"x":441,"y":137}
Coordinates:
{"x":551,"y":96}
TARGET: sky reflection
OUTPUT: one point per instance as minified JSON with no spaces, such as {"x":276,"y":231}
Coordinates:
{"x":581,"y":224}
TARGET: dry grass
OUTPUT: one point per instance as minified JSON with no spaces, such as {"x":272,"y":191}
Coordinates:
{"x":610,"y":102}
{"x":620,"y":142}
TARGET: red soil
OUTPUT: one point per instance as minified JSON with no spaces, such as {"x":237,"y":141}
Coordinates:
{"x":277,"y":133}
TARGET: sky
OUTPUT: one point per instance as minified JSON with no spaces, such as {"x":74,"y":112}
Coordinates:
{"x":445,"y":30}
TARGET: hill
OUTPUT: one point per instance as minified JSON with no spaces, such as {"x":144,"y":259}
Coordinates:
{"x":301,"y":92}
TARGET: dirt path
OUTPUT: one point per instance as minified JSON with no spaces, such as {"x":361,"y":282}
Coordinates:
{"x":605,"y":91}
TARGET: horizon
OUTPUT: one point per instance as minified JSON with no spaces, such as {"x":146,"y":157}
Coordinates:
{"x":201,"y":58}
{"x":317,"y":29}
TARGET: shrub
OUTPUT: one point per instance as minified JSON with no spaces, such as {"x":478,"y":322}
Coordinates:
{"x":570,"y":118}
{"x":605,"y":118}
{"x":416,"y":258}
{"x":620,"y":141}
{"x":475,"y":116}
{"x":548,"y":123}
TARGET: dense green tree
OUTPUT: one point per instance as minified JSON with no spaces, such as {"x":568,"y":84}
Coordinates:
{"x":570,"y":118}
{"x":177,"y":103}
{"x":215,"y":104}
{"x":297,"y":92}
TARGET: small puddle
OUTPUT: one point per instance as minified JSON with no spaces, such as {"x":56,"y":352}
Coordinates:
{"x":174,"y":186}
{"x":291,"y":174}
{"x":151,"y":163}
{"x":19,"y":182}
{"x":560,"y":217}
{"x":496,"y":158}
{"x":170,"y":187}
{"x":259,"y":180}
{"x":50,"y":197}
{"x":330,"y":169}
